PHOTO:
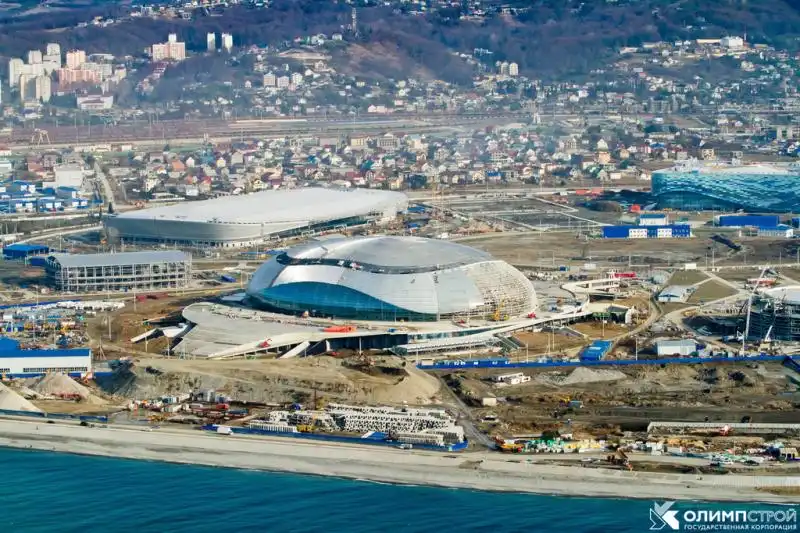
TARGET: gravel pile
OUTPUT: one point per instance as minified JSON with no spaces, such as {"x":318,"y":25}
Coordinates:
{"x":59,"y":385}
{"x":12,"y":401}
{"x":583,"y":375}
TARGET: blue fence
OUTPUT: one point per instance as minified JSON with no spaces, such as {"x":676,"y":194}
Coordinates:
{"x":505,"y":363}
{"x":55,"y":416}
{"x":335,"y":438}
{"x":788,"y":362}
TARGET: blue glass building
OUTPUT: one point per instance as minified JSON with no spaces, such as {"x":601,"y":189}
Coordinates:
{"x":391,"y":278}
{"x":756,"y":188}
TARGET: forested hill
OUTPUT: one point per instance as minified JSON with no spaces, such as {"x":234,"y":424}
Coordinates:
{"x":545,"y":37}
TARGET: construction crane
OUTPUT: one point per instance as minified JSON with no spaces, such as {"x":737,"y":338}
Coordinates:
{"x":40,"y":136}
{"x":756,"y":286}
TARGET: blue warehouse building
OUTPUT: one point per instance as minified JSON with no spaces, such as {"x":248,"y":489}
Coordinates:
{"x":674,"y":231}
{"x":18,"y":363}
{"x":759,"y":188}
{"x":748,"y":221}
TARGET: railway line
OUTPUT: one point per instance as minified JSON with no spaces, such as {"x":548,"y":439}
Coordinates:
{"x":199,"y":130}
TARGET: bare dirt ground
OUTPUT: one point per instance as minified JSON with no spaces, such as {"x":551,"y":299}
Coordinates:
{"x":710,"y":290}
{"x":723,"y":393}
{"x":687,"y":277}
{"x":566,"y":248}
{"x":388,"y":381}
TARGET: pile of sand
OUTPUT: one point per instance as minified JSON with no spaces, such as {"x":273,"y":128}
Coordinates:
{"x":27,"y":393}
{"x":583,"y":375}
{"x":12,"y":401}
{"x":60,"y":386}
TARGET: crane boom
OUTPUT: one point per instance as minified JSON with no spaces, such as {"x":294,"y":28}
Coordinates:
{"x":750,"y":306}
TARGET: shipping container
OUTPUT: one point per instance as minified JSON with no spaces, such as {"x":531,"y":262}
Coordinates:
{"x":616,"y":232}
{"x":647,"y":232}
{"x":596,"y":351}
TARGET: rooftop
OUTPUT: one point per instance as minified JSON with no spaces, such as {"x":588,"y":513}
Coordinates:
{"x":720,"y":168}
{"x":285,"y":205}
{"x":9,"y":349}
{"x":789,"y":294}
{"x":391,"y":252}
{"x":122,"y":258}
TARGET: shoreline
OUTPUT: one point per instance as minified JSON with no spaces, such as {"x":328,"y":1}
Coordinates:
{"x":472,"y":471}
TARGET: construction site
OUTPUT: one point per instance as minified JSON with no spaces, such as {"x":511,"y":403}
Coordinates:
{"x":142,"y":271}
{"x":617,"y":335}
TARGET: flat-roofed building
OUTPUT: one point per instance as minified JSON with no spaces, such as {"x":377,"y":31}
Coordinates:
{"x":151,"y":270}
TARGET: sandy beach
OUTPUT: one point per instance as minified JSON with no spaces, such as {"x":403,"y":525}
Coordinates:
{"x":477,"y":471}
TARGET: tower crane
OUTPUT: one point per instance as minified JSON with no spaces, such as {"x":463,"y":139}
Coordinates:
{"x":750,"y":306}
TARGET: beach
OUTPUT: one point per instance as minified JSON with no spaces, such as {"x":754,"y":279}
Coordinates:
{"x":477,"y":471}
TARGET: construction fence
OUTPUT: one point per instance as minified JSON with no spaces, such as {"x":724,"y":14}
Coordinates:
{"x":458,"y":364}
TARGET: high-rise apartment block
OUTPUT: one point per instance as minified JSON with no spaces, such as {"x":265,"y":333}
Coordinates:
{"x":70,"y":76}
{"x":15,"y":70}
{"x":32,"y":87}
{"x":53,"y":49}
{"x":76,"y":58}
{"x":211,"y":42}
{"x":227,"y":42}
{"x":34,"y":56}
{"x":172,"y":49}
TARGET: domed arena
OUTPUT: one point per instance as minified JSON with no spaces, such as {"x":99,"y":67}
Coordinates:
{"x":387,"y":278}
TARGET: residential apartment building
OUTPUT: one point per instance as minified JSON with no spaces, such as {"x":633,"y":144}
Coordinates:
{"x":76,"y":58}
{"x":171,"y":50}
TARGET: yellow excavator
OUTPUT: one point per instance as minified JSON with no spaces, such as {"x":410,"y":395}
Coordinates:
{"x":311,"y":427}
{"x":498,"y":312}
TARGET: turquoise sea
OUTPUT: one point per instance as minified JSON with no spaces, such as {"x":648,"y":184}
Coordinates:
{"x":48,"y":492}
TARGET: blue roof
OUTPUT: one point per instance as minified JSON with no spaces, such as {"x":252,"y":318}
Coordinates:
{"x":9,"y":349}
{"x":21,"y":247}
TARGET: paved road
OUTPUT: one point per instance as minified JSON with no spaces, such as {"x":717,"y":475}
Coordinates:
{"x":465,"y":418}
{"x":108,"y":191}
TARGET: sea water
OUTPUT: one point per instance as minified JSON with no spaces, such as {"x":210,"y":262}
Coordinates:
{"x":49,"y":492}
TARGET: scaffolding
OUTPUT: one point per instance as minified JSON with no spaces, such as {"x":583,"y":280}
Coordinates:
{"x":775,"y":316}
{"x":127,"y":271}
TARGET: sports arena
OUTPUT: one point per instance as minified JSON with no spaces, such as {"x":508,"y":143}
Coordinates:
{"x":776,"y":314}
{"x":755,"y":188}
{"x":246,"y":220}
{"x":406,"y":294}
{"x":392,"y":278}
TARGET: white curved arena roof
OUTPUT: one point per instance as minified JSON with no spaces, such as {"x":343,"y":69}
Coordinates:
{"x":392,"y":251}
{"x":789,"y":294}
{"x":269,"y":207}
{"x":391,"y":278}
{"x":248,"y":219}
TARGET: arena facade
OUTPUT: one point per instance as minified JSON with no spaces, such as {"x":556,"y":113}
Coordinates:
{"x":246,"y":220}
{"x":754,"y":188}
{"x":387,"y":278}
{"x":776,"y":314}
